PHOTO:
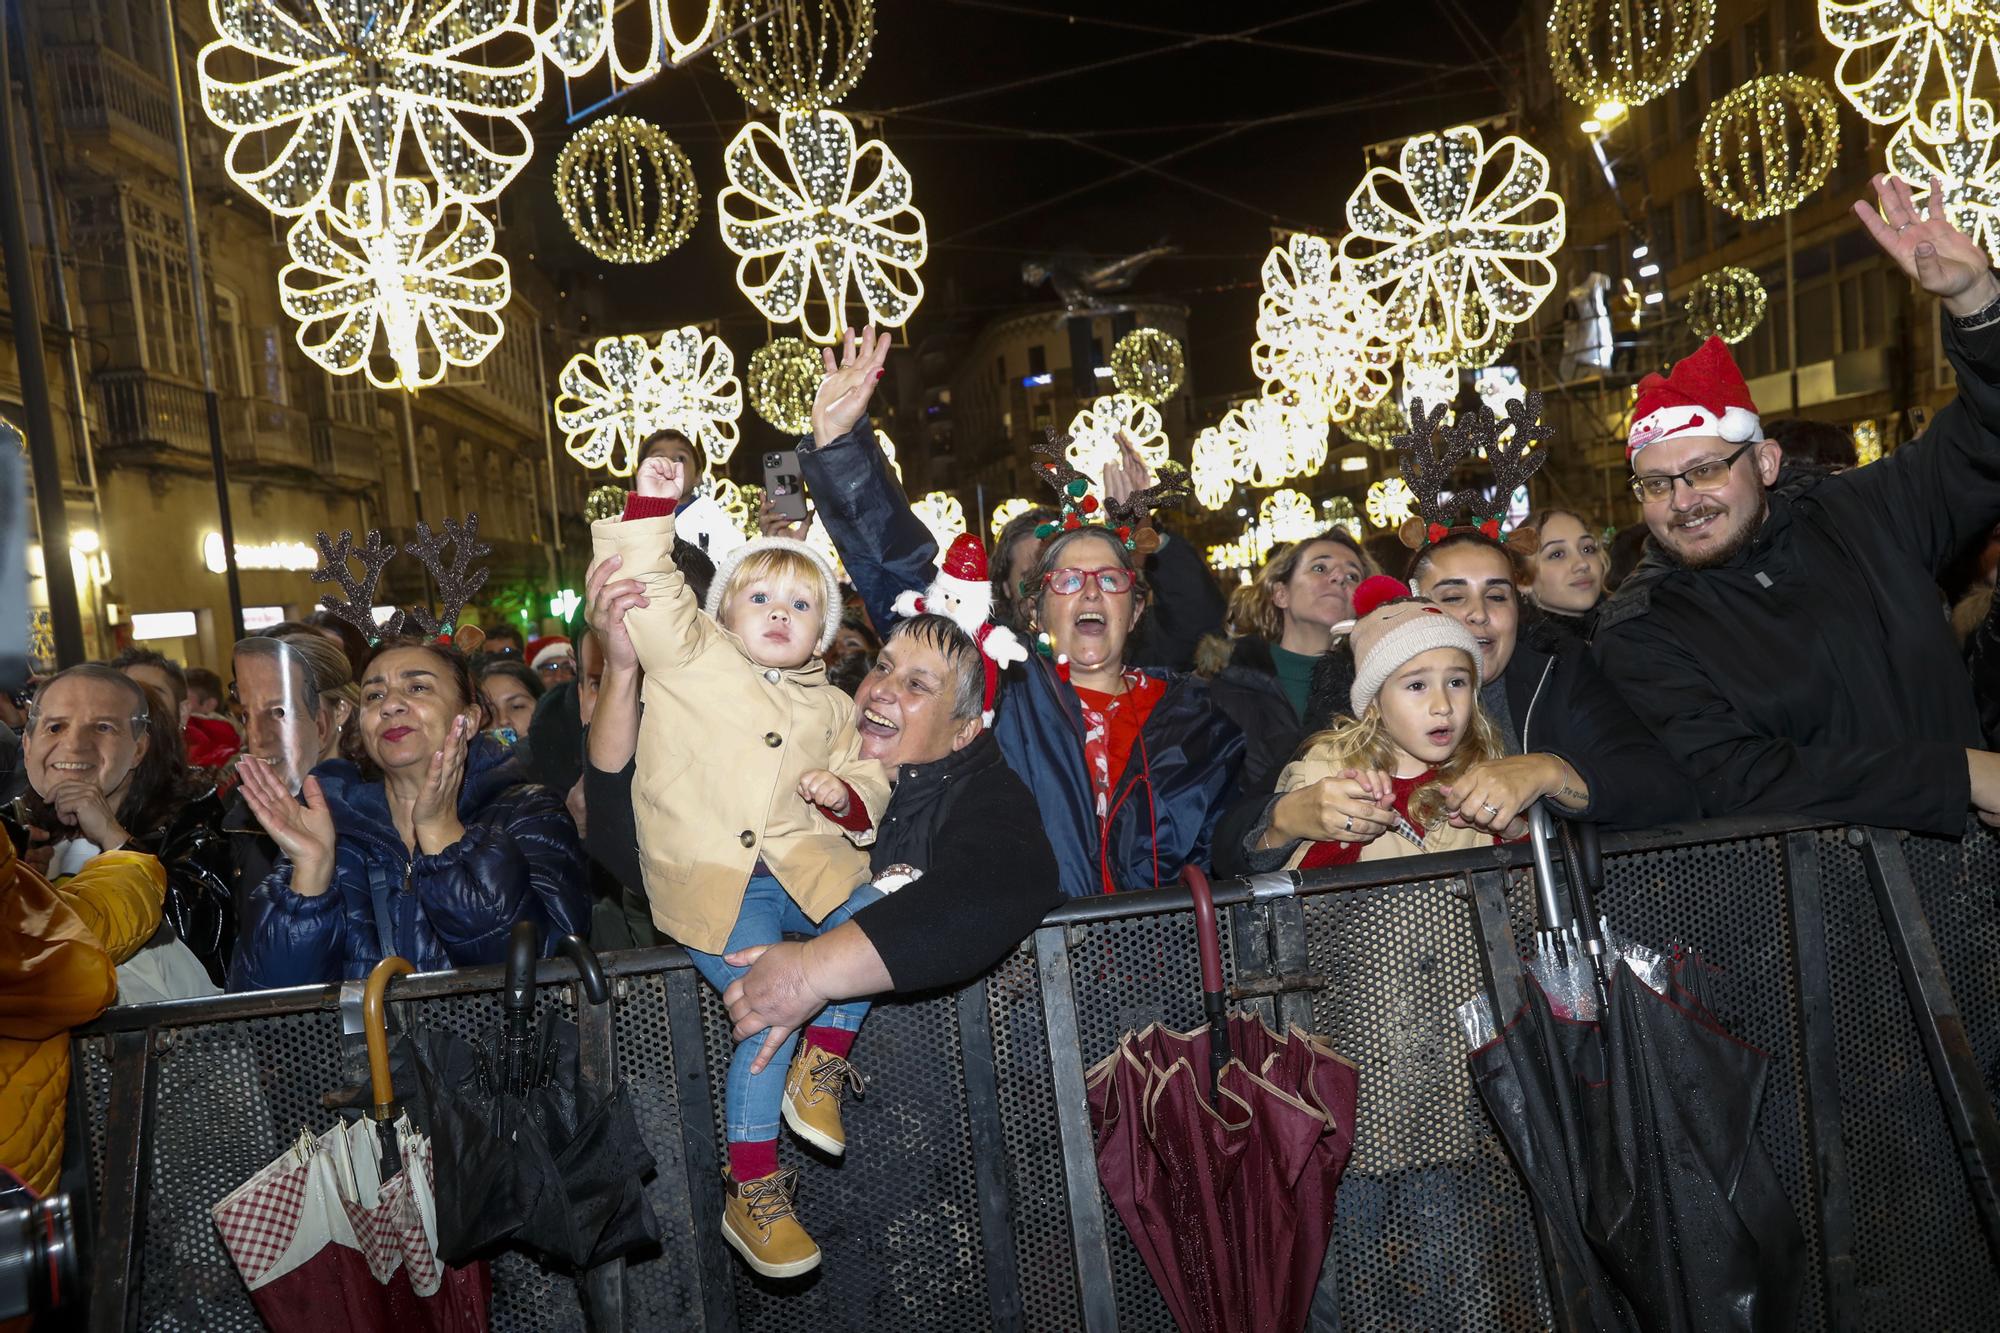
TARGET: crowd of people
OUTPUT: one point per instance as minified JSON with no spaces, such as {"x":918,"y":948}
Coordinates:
{"x":827,"y":796}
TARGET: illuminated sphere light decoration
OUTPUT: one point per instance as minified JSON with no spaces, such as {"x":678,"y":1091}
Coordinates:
{"x":604,"y":502}
{"x":826,"y":219}
{"x":626,"y":190}
{"x":1288,"y":516}
{"x":1319,"y":340}
{"x":1894,"y":52}
{"x":784,"y":378}
{"x":1768,"y":144}
{"x":796,"y":55}
{"x":1728,"y":304}
{"x":613,"y":397}
{"x":1006,"y":512}
{"x":396,"y":285}
{"x":1390,"y":502}
{"x":942,"y":514}
{"x":1338,"y":512}
{"x":1093,"y":433}
{"x":1148,"y":364}
{"x":1626,"y":52}
{"x":1966,"y":162}
{"x":1378,"y":426}
{"x":1456,"y":241}
{"x":449,"y":82}
{"x":1214,"y":470}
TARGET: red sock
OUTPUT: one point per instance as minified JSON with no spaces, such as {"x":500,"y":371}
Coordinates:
{"x":834,"y":1041}
{"x":752,"y":1161}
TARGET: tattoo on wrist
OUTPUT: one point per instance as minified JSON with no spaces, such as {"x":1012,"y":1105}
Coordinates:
{"x":1571,"y":795}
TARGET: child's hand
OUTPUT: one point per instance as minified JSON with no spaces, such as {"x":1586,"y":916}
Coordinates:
{"x":826,"y":791}
{"x":1374,"y":783}
{"x":662,"y":478}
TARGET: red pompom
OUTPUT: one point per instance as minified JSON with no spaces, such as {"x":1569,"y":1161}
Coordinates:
{"x":1072,"y":523}
{"x":1089,"y":505}
{"x":1491,"y":528}
{"x":1436,"y":533}
{"x":1375,"y":591}
{"x":1124,"y":534}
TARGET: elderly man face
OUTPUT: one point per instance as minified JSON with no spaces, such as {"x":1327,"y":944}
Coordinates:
{"x":285,"y":730}
{"x":1711,"y":494}
{"x":922,"y":701}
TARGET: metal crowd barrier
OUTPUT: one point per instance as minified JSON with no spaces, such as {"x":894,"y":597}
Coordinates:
{"x":1867,"y":964}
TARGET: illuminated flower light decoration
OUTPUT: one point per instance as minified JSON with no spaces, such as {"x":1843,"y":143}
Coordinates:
{"x":580,"y":33}
{"x":1390,"y":502}
{"x":1893,"y":52}
{"x":784,"y":378}
{"x":443,"y":80}
{"x":1867,"y":442}
{"x":942,"y":514}
{"x":1768,"y":144}
{"x":1006,"y":512}
{"x":626,"y":190}
{"x":1966,"y":163}
{"x":1272,"y":442}
{"x":1464,"y":247}
{"x":626,"y":388}
{"x":1093,"y":433}
{"x":1620,"y":53}
{"x":1319,"y":340}
{"x":1432,"y":384}
{"x":826,"y":217}
{"x":736,"y":506}
{"x":1288,"y":516}
{"x":802,"y":55}
{"x":1728,"y":304}
{"x":1148,"y":364}
{"x":1214,"y":470}
{"x":395,"y":285}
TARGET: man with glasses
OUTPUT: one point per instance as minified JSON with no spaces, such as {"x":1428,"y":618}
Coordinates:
{"x":1784,"y":636}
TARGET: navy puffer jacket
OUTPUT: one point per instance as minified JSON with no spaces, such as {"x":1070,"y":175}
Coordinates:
{"x":519,"y":860}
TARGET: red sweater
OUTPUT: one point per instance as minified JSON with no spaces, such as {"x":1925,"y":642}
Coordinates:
{"x":1347,"y":853}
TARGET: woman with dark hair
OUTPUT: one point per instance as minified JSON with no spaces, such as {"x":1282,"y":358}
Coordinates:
{"x":511,"y":690}
{"x":106,"y":773}
{"x":435,"y":859}
{"x":1566,"y":575}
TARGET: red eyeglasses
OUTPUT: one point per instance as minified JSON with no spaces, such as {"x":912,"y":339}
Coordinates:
{"x":1111,"y":579}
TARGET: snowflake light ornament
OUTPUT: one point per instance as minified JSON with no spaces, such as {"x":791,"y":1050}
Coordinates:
{"x":940,"y":512}
{"x":1456,"y":242}
{"x":1319,"y":340}
{"x":1093,"y":433}
{"x":1893,"y":53}
{"x":625,"y":388}
{"x":1390,"y":502}
{"x":1214,"y":470}
{"x":1006,"y":512}
{"x":444,"y":79}
{"x":1287,"y":516}
{"x":832,"y":220}
{"x":395,"y":285}
{"x":1963,"y":157}
{"x":1274,"y":441}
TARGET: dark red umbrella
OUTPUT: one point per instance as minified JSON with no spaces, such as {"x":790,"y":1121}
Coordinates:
{"x":1221,"y":1149}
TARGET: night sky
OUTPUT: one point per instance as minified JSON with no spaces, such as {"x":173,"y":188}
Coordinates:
{"x":1022,"y":125}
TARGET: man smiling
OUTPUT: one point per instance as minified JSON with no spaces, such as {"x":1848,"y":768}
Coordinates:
{"x":1785,"y":637}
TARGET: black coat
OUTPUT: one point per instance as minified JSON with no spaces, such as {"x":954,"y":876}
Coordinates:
{"x":1248,"y":691}
{"x":1815,"y":674}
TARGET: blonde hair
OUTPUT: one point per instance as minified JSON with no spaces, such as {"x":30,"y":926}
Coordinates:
{"x":1365,"y":743}
{"x":780,"y":562}
{"x":1263,"y":614}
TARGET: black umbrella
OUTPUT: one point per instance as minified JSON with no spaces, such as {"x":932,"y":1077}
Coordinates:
{"x":1632,"y":1115}
{"x":530,"y":1151}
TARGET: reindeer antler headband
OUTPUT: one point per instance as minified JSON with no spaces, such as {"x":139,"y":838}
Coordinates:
{"x":458,"y":581}
{"x":1129,"y":520}
{"x":1428,"y":468}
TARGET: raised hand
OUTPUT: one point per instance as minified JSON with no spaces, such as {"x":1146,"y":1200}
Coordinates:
{"x":605,"y":602}
{"x":1943,"y":260}
{"x":774,"y":524}
{"x":82,"y":806}
{"x":434,"y":815}
{"x":662,"y":478}
{"x":1127,"y":474}
{"x":849,"y":384}
{"x":303,"y":832}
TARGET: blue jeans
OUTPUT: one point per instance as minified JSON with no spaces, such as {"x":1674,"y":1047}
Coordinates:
{"x":768,"y":912}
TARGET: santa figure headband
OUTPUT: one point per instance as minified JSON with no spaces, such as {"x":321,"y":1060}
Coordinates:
{"x":1702,"y":395}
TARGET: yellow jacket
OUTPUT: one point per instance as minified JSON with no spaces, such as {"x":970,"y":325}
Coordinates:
{"x":722,"y":746}
{"x":59,"y":950}
{"x":1322,"y":762}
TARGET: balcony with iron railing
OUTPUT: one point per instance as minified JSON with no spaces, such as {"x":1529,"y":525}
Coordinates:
{"x":140,"y":410}
{"x":101,"y":95}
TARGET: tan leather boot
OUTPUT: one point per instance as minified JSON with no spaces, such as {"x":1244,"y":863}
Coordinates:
{"x":758,"y":1221}
{"x":814,"y":1087}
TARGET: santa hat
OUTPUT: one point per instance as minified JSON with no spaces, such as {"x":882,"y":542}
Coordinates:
{"x":725,"y":570}
{"x":1395,"y":627}
{"x":965,"y":561}
{"x":1703,"y":394}
{"x":542,"y":652}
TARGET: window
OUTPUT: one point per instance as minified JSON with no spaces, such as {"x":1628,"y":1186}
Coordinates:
{"x":232,"y":353}
{"x":162,"y":292}
{"x":272,"y":380}
{"x":1038,"y":360}
{"x":350,"y":400}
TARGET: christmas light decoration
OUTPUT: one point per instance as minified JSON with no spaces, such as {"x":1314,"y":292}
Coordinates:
{"x":1893,"y":52}
{"x":447,"y":81}
{"x":626,"y":388}
{"x":1963,"y":158}
{"x":1390,"y":502}
{"x":1468,"y":250}
{"x":604,"y":502}
{"x":626,"y":190}
{"x":1093,"y":433}
{"x":1867,"y":442}
{"x":1378,"y":426}
{"x":1006,"y":512}
{"x":1338,"y":512}
{"x":1432,"y":384}
{"x":1234,"y":555}
{"x":736,"y":505}
{"x":1625,"y":52}
{"x":1727,"y":304}
{"x":940,"y":512}
{"x":1214,"y":471}
{"x":797,"y":55}
{"x":1768,"y":144}
{"x":1274,"y":443}
{"x":830,"y":218}
{"x":889,"y":453}
{"x":1319,"y":340}
{"x":1148,"y":364}
{"x":784,"y":378}
{"x":1288,"y":517}
{"x":395,"y":284}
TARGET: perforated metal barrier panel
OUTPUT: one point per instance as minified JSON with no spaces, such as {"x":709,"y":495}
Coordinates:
{"x":954,"y":1207}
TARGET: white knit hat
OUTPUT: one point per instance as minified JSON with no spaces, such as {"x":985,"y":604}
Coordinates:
{"x":830,"y":603}
{"x":1388,"y":636}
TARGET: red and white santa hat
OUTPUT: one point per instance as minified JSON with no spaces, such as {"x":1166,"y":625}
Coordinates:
{"x":1703,"y":394}
{"x":965,"y":561}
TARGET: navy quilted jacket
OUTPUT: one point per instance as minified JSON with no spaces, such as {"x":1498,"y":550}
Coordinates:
{"x":519,"y":859}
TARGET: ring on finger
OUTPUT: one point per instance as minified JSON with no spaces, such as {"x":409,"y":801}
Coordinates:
{"x":1349,"y":826}
{"x":1489,"y":807}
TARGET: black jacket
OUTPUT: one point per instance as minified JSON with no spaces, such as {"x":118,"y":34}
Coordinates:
{"x":969,"y":823}
{"x":1815,"y":674}
{"x":1248,"y":690}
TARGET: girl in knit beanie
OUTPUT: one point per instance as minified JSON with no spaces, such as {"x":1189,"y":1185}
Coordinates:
{"x":1415,"y":727}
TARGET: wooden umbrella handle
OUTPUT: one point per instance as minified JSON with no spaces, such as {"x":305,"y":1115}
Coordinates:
{"x":374,"y":1027}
